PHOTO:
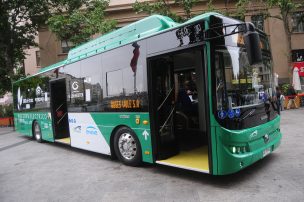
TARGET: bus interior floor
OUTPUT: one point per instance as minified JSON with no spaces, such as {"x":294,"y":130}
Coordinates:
{"x":195,"y":159}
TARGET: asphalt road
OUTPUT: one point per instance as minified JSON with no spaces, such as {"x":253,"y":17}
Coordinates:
{"x":30,"y":171}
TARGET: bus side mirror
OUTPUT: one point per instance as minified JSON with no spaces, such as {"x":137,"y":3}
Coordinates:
{"x":252,"y":44}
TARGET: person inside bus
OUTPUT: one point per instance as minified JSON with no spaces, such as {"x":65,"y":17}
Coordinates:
{"x":186,"y":99}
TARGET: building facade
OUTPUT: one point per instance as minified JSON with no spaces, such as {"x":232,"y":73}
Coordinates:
{"x":52,"y":50}
{"x":32,"y":59}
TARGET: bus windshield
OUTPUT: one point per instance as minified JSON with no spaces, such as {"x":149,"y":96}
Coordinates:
{"x":238,"y":84}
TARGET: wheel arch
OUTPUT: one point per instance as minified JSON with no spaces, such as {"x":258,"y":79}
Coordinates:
{"x":113,"y":154}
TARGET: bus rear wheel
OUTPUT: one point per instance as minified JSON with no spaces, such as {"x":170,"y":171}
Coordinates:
{"x":37,"y":132}
{"x":127,"y":147}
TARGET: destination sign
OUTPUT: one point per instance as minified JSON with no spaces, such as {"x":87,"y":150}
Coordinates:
{"x":125,"y":104}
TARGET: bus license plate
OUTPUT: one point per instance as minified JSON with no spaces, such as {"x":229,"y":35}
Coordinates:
{"x":266,"y":152}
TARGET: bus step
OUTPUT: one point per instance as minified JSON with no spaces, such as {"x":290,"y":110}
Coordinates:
{"x":196,"y":160}
{"x":64,"y":140}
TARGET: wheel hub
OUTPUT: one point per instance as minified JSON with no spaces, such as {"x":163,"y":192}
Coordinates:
{"x":127,"y":146}
{"x":37,"y":132}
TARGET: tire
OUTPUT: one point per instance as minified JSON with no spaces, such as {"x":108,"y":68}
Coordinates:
{"x":127,"y":147}
{"x":37,"y":132}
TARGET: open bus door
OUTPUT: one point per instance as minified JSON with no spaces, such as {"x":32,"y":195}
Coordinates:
{"x":179,"y":119}
{"x":162,"y":106}
{"x":59,"y":111}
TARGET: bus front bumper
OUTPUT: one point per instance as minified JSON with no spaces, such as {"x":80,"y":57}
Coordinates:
{"x":239,"y":149}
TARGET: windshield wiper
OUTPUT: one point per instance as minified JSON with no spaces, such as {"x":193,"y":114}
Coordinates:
{"x":247,"y":115}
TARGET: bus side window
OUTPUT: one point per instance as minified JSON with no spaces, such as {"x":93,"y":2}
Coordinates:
{"x":75,"y":87}
{"x":115,"y":85}
{"x":91,"y":74}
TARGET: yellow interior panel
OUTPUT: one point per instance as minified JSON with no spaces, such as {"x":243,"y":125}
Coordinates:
{"x":64,"y":140}
{"x":196,"y":159}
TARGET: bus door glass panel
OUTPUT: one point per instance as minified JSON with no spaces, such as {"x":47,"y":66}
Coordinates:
{"x":75,"y":87}
{"x":163,"y":107}
{"x":187,"y":99}
{"x":190,"y":117}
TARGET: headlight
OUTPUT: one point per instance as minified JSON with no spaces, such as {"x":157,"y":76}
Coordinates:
{"x":238,"y":149}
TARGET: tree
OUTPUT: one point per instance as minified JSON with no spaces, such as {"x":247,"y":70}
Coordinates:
{"x":286,"y":7}
{"x":163,"y":7}
{"x":77,"y":20}
{"x":18,"y":26}
{"x":210,"y":6}
{"x":71,"y":20}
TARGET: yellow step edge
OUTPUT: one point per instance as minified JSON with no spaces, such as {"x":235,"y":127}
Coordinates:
{"x":64,"y":140}
{"x":196,"y":159}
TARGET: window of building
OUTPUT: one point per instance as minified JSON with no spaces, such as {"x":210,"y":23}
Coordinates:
{"x":38,"y":64}
{"x":298,"y":21}
{"x":298,"y":55}
{"x":258,"y":21}
{"x":66,"y":46}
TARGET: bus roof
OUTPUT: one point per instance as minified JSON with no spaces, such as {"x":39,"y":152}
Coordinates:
{"x":146,"y":27}
{"x":53,"y":66}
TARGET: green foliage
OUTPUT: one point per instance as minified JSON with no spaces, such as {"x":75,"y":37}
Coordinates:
{"x":159,"y":7}
{"x":210,"y":6}
{"x":187,"y":5}
{"x":71,"y":20}
{"x":19,"y":22}
{"x":284,"y":5}
{"x":163,"y":7}
{"x":241,"y":8}
{"x":77,"y":20}
{"x":287,"y":7}
{"x":6,"y":111}
{"x":285,"y":88}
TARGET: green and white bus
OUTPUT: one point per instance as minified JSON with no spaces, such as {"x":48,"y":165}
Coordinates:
{"x":196,"y":95}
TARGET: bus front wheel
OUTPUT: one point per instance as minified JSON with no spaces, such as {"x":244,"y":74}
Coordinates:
{"x":37,"y":132}
{"x":127,"y":147}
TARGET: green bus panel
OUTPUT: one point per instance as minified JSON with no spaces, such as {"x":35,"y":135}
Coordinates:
{"x":237,"y":149}
{"x":24,"y":123}
{"x":108,"y":122}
